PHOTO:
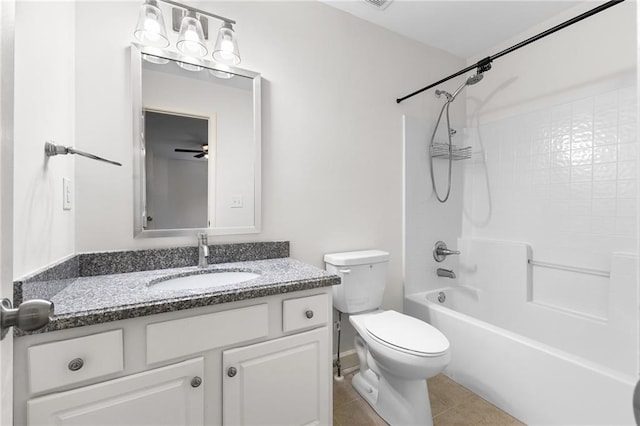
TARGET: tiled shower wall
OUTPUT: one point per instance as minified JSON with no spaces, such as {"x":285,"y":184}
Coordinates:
{"x":564,"y":180}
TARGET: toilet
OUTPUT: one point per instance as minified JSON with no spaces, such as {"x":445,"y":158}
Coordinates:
{"x":397,"y":353}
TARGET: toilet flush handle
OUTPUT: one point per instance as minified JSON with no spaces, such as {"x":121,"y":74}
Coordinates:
{"x":344,"y":271}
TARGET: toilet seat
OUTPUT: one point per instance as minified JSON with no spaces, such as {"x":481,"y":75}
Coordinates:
{"x":406,"y":334}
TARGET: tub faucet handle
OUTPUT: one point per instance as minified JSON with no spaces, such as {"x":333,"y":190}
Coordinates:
{"x":440,"y":251}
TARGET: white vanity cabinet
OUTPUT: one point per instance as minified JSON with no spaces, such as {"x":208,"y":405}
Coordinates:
{"x":278,"y":382}
{"x":171,"y":395}
{"x":176,"y":368}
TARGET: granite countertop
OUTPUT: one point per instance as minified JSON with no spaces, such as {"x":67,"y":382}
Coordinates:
{"x":104,"y":298}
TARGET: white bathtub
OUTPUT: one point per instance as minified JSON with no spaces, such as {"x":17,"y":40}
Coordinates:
{"x":533,"y":381}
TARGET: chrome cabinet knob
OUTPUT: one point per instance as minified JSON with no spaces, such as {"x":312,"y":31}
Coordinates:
{"x":196,"y":381}
{"x":76,"y":364}
{"x":232,"y":371}
{"x":309,"y":314}
{"x":30,"y":315}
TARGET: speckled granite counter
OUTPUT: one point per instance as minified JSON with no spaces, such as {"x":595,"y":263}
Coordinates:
{"x":98,"y":299}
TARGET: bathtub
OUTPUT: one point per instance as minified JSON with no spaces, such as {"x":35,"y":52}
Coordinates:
{"x":535,"y":382}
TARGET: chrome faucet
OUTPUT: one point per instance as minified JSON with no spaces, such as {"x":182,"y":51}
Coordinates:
{"x":203,"y":250}
{"x":447,"y":273}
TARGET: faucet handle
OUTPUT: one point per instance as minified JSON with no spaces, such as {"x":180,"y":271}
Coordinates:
{"x":440,"y":251}
{"x":202,"y":238}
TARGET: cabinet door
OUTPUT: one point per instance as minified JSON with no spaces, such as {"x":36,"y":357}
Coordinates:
{"x":164,"y":396}
{"x":279,"y":382}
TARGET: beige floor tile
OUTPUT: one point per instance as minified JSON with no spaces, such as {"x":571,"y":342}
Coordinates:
{"x":445,"y":394}
{"x":475,"y":411}
{"x":343,"y":392}
{"x":451,"y":404}
{"x":356,"y":413}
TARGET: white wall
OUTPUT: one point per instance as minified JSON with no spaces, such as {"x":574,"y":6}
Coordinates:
{"x":44,"y":110}
{"x":589,"y":57}
{"x":332,"y":132}
{"x":426,"y":219}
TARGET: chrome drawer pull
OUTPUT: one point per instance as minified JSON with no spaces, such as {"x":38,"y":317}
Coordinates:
{"x":232,"y":371}
{"x":196,"y":381}
{"x":309,"y":314}
{"x":76,"y":364}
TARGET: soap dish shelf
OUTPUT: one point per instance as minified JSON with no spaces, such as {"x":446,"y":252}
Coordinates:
{"x":441,"y":150}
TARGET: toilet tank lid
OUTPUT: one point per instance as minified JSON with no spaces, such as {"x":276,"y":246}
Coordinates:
{"x":362,"y":257}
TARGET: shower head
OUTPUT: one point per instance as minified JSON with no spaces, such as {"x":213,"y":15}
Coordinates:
{"x":468,"y":82}
{"x":474,"y":79}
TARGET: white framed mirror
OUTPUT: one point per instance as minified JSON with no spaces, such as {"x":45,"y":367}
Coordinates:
{"x":197,"y":146}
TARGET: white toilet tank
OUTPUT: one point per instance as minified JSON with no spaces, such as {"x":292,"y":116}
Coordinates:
{"x":363,"y":276}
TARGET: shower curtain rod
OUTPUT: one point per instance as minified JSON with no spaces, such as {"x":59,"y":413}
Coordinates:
{"x":485,"y":64}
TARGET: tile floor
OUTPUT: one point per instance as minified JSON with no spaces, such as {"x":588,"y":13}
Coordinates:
{"x":451,"y":404}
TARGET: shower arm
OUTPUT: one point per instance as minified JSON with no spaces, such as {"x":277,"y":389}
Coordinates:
{"x":485,"y":64}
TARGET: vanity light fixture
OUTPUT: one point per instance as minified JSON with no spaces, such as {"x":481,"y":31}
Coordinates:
{"x":150,"y":28}
{"x":191,"y":38}
{"x":221,"y":74}
{"x":155,"y":59}
{"x":192,"y":26}
{"x":189,"y":67}
{"x":226,"y":50}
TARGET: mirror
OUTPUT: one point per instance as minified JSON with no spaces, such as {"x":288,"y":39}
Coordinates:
{"x":196,"y":146}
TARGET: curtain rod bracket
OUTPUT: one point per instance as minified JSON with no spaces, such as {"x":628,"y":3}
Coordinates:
{"x":484,"y":64}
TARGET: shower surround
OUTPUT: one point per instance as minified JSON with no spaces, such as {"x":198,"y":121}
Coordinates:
{"x":546,"y":296}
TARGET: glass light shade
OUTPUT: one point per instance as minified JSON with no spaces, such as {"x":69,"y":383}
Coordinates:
{"x":191,"y":38}
{"x":155,"y":59}
{"x":189,"y":67}
{"x":150,"y":28}
{"x":221,"y":74}
{"x":226,"y":49}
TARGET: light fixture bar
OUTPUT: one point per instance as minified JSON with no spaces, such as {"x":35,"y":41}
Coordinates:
{"x":200,"y":11}
{"x":178,"y":13}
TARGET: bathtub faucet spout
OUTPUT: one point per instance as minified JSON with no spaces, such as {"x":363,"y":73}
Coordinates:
{"x":447,"y":273}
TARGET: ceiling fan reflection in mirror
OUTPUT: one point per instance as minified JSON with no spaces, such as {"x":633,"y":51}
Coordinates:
{"x":203,"y":152}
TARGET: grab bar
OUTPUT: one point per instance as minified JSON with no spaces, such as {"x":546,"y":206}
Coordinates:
{"x":569,"y":268}
{"x":52,"y":149}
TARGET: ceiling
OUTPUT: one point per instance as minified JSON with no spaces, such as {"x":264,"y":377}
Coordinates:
{"x":464,"y":28}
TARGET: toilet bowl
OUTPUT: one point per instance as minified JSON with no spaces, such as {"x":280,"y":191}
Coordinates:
{"x":397,"y":353}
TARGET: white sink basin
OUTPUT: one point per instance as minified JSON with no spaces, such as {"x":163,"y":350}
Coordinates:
{"x":206,"y":280}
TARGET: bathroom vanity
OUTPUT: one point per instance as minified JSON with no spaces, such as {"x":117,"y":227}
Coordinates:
{"x":257,"y":352}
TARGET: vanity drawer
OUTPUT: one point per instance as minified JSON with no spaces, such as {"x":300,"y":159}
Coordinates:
{"x":187,"y":336}
{"x":305,"y":312}
{"x":53,"y":365}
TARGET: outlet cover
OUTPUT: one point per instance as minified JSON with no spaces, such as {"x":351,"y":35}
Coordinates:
{"x":236,"y":202}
